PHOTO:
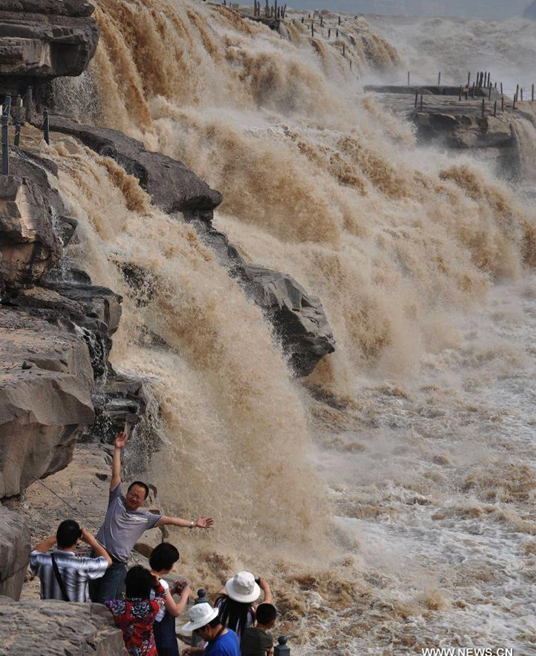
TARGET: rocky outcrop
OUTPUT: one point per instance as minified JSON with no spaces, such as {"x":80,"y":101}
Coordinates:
{"x":44,"y":39}
{"x":172,"y":186}
{"x":56,"y":628}
{"x":14,"y":552}
{"x":46,"y":382}
{"x":28,"y":244}
{"x":298,"y":317}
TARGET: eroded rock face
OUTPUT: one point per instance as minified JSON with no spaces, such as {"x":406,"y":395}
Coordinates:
{"x":298,"y":317}
{"x":44,"y":39}
{"x":172,"y":186}
{"x":46,"y":382}
{"x":56,"y":628}
{"x":14,"y":552}
{"x":28,"y":244}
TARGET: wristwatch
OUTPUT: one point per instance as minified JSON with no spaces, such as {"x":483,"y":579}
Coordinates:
{"x":192,"y":523}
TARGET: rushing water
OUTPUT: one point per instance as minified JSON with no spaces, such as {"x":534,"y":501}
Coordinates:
{"x":390,"y":497}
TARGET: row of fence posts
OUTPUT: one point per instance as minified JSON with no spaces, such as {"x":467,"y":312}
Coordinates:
{"x":276,"y":11}
{"x":280,"y":650}
{"x":482,"y":81}
{"x":14,"y":108}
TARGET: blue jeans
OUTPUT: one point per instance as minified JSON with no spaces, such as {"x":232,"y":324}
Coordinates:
{"x":111,"y":585}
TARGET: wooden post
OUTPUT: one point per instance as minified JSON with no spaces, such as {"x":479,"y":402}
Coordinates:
{"x":495,"y":109}
{"x":460,"y":94}
{"x":302,"y":19}
{"x":502,"y":89}
{"x":469,"y":79}
{"x":329,"y":33}
{"x":344,"y":49}
{"x":416,"y":99}
{"x":439,"y":79}
{"x":339,"y":20}
{"x":422,"y":102}
{"x":490,"y":88}
{"x":514,"y":102}
{"x":502,"y":103}
{"x":483,"y":106}
{"x":312,"y":29}
{"x":275,"y":8}
{"x":521,"y":94}
{"x":409,"y":80}
{"x":533,"y":92}
{"x":337,"y":33}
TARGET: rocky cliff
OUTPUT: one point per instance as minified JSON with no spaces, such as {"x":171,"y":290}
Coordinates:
{"x":44,"y":39}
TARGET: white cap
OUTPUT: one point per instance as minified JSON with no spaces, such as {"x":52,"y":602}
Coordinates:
{"x":200,"y":615}
{"x":242,"y":587}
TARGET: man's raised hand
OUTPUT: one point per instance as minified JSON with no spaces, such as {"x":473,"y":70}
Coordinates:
{"x":121,"y":440}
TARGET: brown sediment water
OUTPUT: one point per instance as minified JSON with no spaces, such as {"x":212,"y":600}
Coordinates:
{"x":420,"y":261}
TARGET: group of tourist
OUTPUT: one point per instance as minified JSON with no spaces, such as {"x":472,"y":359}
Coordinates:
{"x":141,"y":601}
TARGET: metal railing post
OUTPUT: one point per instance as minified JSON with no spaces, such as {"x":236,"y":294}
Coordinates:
{"x":201,"y":599}
{"x":28,"y":104}
{"x":17,"y":120}
{"x":282,"y":649}
{"x":5,"y":144}
{"x":46,"y":126}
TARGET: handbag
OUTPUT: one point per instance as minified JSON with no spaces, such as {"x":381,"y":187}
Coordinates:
{"x":59,"y":579}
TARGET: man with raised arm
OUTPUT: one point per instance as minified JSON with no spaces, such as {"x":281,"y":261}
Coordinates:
{"x":124,"y":525}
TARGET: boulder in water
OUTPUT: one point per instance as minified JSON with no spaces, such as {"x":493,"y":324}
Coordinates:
{"x":298,"y":317}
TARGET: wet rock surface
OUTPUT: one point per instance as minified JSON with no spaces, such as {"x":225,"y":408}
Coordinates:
{"x":172,"y":186}
{"x":44,"y":39}
{"x":56,"y":628}
{"x":14,"y":552}
{"x":298,"y":317}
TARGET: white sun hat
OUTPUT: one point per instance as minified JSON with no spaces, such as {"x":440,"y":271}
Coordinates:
{"x":200,"y":615}
{"x":243,"y":588}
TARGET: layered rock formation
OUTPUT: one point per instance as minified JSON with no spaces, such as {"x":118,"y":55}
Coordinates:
{"x":58,"y":629}
{"x":44,"y":39}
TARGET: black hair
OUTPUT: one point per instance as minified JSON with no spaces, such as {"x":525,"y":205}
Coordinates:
{"x":266,"y":613}
{"x":164,"y":556}
{"x":234,"y":614}
{"x":68,"y":533}
{"x":139,"y":582}
{"x":215,"y":622}
{"x":141,"y":484}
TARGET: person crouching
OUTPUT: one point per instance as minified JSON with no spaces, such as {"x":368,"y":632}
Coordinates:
{"x":205,"y":622}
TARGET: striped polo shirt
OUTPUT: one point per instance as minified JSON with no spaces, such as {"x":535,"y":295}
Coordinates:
{"x":75,"y":572}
